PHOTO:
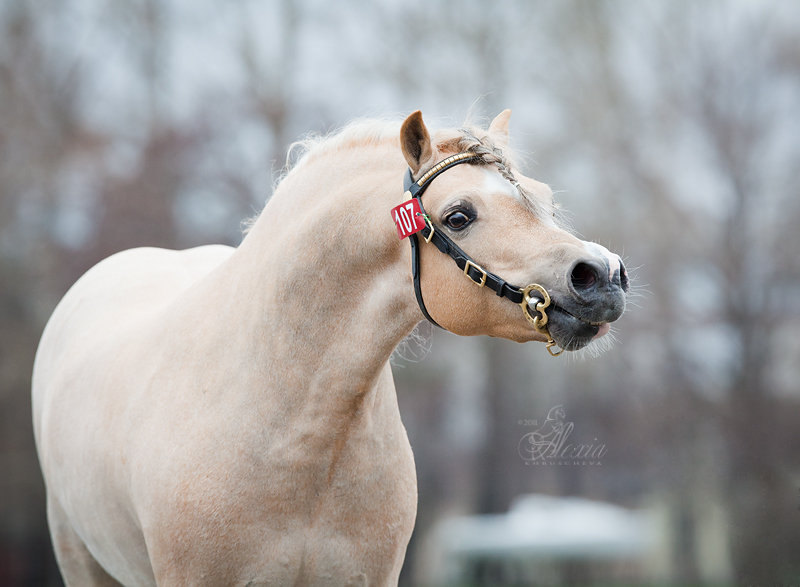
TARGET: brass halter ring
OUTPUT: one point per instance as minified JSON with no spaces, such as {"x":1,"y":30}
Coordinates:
{"x":539,"y":322}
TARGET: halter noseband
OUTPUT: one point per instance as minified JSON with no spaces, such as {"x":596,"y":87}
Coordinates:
{"x":477,"y":274}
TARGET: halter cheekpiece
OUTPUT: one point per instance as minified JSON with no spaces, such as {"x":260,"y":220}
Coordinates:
{"x":533,"y":294}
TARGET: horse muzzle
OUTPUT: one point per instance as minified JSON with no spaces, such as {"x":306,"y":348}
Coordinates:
{"x":595,"y":296}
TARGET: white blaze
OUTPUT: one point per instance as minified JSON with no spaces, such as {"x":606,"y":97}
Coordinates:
{"x":596,"y":250}
{"x":494,"y":183}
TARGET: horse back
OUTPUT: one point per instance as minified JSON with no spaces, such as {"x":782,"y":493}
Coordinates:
{"x":122,"y":291}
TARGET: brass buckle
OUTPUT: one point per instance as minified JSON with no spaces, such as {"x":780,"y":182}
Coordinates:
{"x":540,"y":321}
{"x":482,"y":281}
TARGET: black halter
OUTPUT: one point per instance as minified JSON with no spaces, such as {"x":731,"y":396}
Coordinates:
{"x":434,"y":234}
{"x":478,"y":275}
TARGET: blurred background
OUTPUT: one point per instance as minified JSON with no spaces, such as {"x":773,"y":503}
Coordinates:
{"x":670,"y":130}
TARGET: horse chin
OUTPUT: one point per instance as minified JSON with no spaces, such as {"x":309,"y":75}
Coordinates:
{"x":570,"y":332}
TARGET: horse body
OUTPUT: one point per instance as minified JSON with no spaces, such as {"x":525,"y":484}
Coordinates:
{"x":223,"y":432}
{"x":228,"y":416}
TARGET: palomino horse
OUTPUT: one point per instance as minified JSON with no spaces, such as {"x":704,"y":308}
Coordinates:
{"x":222,"y":416}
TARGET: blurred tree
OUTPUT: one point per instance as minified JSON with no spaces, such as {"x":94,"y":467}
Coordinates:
{"x":38,"y":130}
{"x":691,"y":131}
{"x":672,"y":125}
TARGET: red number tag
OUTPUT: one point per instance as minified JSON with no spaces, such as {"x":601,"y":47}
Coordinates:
{"x":408,"y":218}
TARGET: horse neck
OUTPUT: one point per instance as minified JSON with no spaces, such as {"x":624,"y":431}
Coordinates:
{"x":324,"y":279}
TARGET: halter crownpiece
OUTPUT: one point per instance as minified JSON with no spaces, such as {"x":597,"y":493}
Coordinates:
{"x":477,"y":274}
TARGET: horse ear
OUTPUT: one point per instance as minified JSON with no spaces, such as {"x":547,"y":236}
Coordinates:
{"x":498,"y":130}
{"x":416,"y":142}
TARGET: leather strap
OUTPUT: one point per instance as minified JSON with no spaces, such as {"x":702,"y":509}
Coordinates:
{"x":435,"y":234}
{"x":417,"y":288}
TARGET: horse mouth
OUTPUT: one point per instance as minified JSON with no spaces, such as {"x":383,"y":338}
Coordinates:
{"x":573,"y":332}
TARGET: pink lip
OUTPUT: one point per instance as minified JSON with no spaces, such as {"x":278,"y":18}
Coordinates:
{"x":602,"y":330}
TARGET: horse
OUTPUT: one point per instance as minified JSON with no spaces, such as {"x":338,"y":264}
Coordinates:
{"x":225,"y":415}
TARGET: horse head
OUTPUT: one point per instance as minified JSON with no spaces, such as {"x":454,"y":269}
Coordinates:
{"x":505,"y":224}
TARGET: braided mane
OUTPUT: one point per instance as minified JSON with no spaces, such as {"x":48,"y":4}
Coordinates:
{"x":490,"y":154}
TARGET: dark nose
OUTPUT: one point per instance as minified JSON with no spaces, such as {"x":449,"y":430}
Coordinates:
{"x":589,"y":276}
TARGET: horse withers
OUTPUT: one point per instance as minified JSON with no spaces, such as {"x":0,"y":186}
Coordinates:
{"x":227,"y":416}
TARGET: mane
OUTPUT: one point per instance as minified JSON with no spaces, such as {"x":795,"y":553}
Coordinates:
{"x":361,"y":132}
{"x":369,"y":131}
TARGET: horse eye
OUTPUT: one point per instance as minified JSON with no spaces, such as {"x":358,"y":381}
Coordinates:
{"x":457,"y":220}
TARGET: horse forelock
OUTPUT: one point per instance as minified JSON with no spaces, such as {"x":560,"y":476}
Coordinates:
{"x":478,"y":142}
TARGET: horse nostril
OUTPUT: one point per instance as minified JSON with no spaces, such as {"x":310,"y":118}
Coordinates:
{"x":624,"y":283}
{"x":584,"y":276}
